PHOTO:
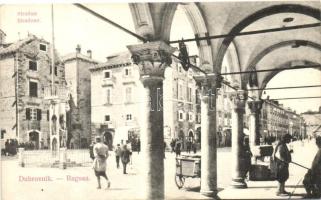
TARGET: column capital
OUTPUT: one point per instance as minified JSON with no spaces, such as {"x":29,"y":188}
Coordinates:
{"x":152,"y":57}
{"x":238,"y":98}
{"x":255,"y":106}
{"x":208,"y":83}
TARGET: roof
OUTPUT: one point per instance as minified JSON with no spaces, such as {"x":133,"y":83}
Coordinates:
{"x":72,"y":56}
{"x":13,"y":47}
{"x":115,"y":60}
{"x":1,"y":31}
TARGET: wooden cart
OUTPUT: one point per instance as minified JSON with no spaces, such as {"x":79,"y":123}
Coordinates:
{"x":187,"y":167}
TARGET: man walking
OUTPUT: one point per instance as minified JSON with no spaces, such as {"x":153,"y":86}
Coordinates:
{"x":117,"y":154}
{"x":282,"y":157}
{"x":100,"y":161}
{"x":125,"y":158}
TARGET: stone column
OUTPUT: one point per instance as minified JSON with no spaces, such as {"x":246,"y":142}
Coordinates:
{"x":207,"y":85}
{"x":255,"y":107}
{"x":238,"y":98}
{"x":152,"y":58}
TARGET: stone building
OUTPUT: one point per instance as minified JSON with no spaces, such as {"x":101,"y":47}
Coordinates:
{"x":275,"y":121}
{"x":116,"y":99}
{"x":77,"y":76}
{"x":25,"y":76}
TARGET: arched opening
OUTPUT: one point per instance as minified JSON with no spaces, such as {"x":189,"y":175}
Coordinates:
{"x":54,"y":145}
{"x":291,"y":43}
{"x":108,"y":139}
{"x":34,"y":139}
{"x":285,"y":8}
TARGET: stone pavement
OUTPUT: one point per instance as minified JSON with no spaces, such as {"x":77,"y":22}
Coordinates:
{"x":130,"y":186}
{"x":303,"y":154}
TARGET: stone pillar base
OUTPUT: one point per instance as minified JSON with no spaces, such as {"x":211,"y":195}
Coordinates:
{"x":238,"y":183}
{"x":209,"y":193}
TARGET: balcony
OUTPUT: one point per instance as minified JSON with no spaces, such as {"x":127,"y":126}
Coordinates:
{"x":34,"y":125}
{"x":58,"y":92}
{"x":108,"y":81}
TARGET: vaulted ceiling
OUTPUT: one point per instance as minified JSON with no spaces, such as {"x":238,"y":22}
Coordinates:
{"x":259,"y":51}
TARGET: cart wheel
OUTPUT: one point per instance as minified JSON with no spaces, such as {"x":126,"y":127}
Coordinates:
{"x":179,"y":180}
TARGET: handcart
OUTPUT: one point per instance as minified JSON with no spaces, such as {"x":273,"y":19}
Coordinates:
{"x":187,"y":166}
{"x":263,"y":168}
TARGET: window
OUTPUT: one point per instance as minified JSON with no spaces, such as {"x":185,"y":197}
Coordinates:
{"x":33,"y":89}
{"x":128,"y":72}
{"x":107,"y":118}
{"x":180,"y":90}
{"x":43,"y":47}
{"x":128,"y":95}
{"x":180,"y":115}
{"x":189,"y":94}
{"x":32,"y":65}
{"x":48,"y":115}
{"x":190,"y":117}
{"x":107,"y":74}
{"x":108,"y":96}
{"x":2,"y":133}
{"x":33,"y":114}
{"x":129,"y":117}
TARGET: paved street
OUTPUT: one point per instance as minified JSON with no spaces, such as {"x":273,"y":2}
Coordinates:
{"x":129,"y":186}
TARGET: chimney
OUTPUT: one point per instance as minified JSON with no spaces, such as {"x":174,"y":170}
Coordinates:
{"x":89,"y":53}
{"x":78,"y":48}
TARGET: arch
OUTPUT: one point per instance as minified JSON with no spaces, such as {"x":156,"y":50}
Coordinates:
{"x":34,"y":137}
{"x":54,"y":144}
{"x":284,"y":8}
{"x":284,"y":65}
{"x":198,"y":24}
{"x":142,"y":18}
{"x":108,"y":139}
{"x":191,"y":134}
{"x":271,"y":48}
{"x":234,"y":64}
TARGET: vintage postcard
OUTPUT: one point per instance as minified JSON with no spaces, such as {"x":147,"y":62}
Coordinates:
{"x":160,"y":100}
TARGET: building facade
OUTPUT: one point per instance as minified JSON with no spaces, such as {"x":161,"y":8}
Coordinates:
{"x":116,"y":99}
{"x":275,"y":121}
{"x":25,"y":76}
{"x":77,"y":76}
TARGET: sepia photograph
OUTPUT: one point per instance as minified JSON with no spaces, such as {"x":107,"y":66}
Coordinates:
{"x":160,"y":100}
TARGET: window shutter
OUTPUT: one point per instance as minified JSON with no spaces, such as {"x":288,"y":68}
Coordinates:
{"x":48,"y":115}
{"x":38,"y":114}
{"x":28,"y":113}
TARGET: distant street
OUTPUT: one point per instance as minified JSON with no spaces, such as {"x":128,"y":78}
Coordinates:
{"x":130,"y":186}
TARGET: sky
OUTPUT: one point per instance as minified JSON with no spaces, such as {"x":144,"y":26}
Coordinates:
{"x":74,"y":26}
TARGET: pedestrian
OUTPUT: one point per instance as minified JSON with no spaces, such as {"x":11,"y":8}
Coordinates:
{"x":129,"y":147}
{"x":91,"y":150}
{"x":138,"y":146}
{"x":189,"y":146}
{"x":172,"y":145}
{"x":247,"y":155}
{"x":282,"y":157}
{"x":194,"y":147}
{"x":178,"y":148}
{"x":117,"y":154}
{"x":312,"y":180}
{"x":100,"y":161}
{"x":125,"y":158}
